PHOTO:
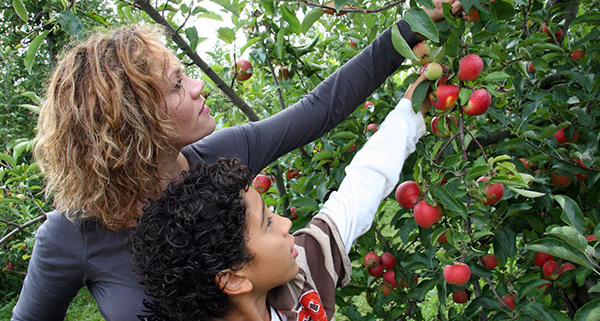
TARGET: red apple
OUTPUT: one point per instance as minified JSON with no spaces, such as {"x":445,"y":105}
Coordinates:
{"x":407,"y":194}
{"x":561,"y":138}
{"x":473,"y":15}
{"x":490,"y":261}
{"x":376,"y":271}
{"x":292,"y":173}
{"x":390,"y":277}
{"x":293,"y":212}
{"x":444,"y":130}
{"x":577,"y":54}
{"x":427,"y":215}
{"x":460,"y":296}
{"x":371,"y":259}
{"x":525,"y":163}
{"x":352,"y":148}
{"x":493,"y":192}
{"x":541,"y":258}
{"x":470,"y":67}
{"x":352,"y":44}
{"x":443,"y":238}
{"x":421,"y":50}
{"x":509,"y":300}
{"x":242,"y":69}
{"x":558,"y":34}
{"x":567,"y":266}
{"x":332,"y":12}
{"x":551,"y":270}
{"x":261,"y":183}
{"x":368,"y":104}
{"x":385,"y":288}
{"x":371,"y":127}
{"x":581,"y":176}
{"x":444,"y":97}
{"x":530,"y":67}
{"x":591,"y":238}
{"x":458,"y":274}
{"x":560,"y":181}
{"x":387,"y":260}
{"x":282,"y":73}
{"x":479,"y":102}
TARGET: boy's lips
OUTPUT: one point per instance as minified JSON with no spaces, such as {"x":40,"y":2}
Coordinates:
{"x":294,"y":252}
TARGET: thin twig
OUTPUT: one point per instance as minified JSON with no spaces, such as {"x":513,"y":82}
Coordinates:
{"x":21,"y":227}
{"x":279,"y":93}
{"x":478,"y":144}
{"x":383,"y":237}
{"x":343,"y":10}
{"x":435,"y":160}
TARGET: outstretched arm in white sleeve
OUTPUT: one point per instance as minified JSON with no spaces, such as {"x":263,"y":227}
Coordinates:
{"x":375,"y":170}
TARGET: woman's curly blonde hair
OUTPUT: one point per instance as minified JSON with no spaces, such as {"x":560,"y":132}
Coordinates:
{"x":104,"y":125}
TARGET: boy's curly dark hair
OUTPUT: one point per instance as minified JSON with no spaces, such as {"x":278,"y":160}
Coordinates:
{"x":196,"y":229}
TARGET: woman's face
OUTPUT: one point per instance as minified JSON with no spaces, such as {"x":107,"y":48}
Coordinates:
{"x":187,"y":106}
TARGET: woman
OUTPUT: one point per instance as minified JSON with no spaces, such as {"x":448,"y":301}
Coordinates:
{"x":119,"y":122}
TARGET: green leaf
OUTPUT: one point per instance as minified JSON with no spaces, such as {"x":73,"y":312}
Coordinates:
{"x":571,"y":213}
{"x":8,"y":159}
{"x":20,"y":9}
{"x":537,"y":311}
{"x":526,"y":193}
{"x":448,"y":201}
{"x":420,"y":22}
{"x":344,"y":135}
{"x":464,"y":95}
{"x":310,"y":18}
{"x":595,"y":288}
{"x":419,"y":95}
{"x":226,"y":34}
{"x":589,"y":311}
{"x":192,"y":36}
{"x":229,"y":6}
{"x":497,"y":76}
{"x":33,"y":108}
{"x":70,"y":23}
{"x":548,"y":132}
{"x":250,"y":43}
{"x":561,"y":249}
{"x":570,"y":235}
{"x":33,"y":49}
{"x":467,"y":4}
{"x":291,"y":19}
{"x":401,"y":46}
{"x":427,"y":4}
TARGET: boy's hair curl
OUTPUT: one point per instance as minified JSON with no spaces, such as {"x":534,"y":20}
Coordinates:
{"x":184,"y":239}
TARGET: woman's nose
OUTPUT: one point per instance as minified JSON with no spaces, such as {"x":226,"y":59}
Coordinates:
{"x":196,"y":88}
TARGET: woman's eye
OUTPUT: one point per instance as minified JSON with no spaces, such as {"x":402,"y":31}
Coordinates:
{"x":269,"y":221}
{"x":178,"y":83}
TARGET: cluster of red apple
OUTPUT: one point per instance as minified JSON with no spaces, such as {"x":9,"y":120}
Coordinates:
{"x":242,"y":71}
{"x":383,"y":265}
{"x":408,"y":195}
{"x":576,"y":55}
{"x":550,"y":268}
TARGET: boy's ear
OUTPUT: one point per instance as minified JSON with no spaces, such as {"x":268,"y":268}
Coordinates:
{"x":233,"y":283}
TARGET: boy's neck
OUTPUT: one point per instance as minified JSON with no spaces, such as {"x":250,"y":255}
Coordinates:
{"x":249,"y":308}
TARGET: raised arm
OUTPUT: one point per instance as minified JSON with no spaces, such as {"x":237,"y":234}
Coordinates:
{"x":374,"y":171}
{"x":257,"y":144}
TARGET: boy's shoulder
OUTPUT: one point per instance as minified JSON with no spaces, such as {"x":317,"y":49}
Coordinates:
{"x":323,"y":266}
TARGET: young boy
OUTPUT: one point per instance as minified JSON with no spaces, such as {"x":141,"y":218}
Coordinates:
{"x":210,"y":249}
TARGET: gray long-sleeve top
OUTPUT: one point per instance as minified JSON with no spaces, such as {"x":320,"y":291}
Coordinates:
{"x":69,"y":255}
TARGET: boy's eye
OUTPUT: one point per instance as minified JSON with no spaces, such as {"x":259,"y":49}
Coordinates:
{"x":178,"y":83}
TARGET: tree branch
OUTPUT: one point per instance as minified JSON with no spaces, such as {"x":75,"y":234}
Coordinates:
{"x":21,"y":227}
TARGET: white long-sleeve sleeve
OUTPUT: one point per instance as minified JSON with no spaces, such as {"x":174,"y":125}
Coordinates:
{"x":374,"y":172}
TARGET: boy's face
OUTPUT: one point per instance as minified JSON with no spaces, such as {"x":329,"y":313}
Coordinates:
{"x":272,"y":246}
